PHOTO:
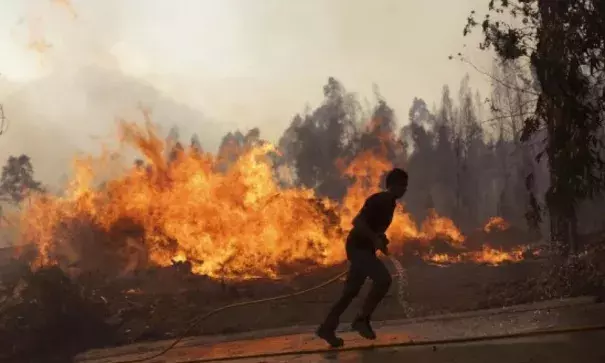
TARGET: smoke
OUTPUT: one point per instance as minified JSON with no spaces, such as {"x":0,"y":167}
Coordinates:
{"x":232,"y":61}
{"x":59,"y":116}
{"x":73,"y":106}
{"x":100,"y":66}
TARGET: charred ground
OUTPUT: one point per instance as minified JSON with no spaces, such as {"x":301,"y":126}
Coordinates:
{"x":48,"y":316}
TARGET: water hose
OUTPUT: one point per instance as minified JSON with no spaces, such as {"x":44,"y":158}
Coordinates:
{"x":401,"y":297}
{"x":201,"y":318}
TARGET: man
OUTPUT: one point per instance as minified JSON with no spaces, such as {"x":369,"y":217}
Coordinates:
{"x":366,"y":237}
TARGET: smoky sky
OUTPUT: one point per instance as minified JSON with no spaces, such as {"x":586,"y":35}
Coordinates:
{"x":71,"y":68}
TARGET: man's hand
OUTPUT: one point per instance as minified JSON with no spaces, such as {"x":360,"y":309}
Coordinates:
{"x":380,"y":243}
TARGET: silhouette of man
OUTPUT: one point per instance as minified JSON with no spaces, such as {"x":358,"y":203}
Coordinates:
{"x":366,"y":237}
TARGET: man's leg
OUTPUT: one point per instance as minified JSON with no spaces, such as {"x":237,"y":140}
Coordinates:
{"x":353,"y":284}
{"x":381,"y":282}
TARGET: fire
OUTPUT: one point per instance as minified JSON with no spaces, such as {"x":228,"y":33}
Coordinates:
{"x":366,"y":169}
{"x":443,"y":258}
{"x":495,"y":257}
{"x":234,"y":222}
{"x":487,"y":255}
{"x":227,"y":222}
{"x":496,"y":223}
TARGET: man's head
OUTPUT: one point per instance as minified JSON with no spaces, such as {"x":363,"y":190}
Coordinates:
{"x":397,"y":182}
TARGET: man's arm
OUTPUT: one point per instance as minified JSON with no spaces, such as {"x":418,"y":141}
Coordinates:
{"x":362,"y":226}
{"x":379,"y":241}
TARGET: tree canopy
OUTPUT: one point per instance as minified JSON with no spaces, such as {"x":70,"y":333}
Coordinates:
{"x":562,"y":43}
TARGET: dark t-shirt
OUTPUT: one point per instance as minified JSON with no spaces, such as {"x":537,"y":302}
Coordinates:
{"x":377,"y":212}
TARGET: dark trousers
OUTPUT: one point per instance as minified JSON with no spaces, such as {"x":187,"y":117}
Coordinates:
{"x":363,"y":264}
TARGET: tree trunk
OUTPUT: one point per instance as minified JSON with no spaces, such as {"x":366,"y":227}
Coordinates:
{"x":550,"y":67}
{"x":563,"y":223}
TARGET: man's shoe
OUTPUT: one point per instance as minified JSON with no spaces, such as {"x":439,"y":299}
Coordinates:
{"x":363,"y":327}
{"x":330,"y":337}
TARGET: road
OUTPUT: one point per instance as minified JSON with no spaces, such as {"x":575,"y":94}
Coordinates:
{"x":562,"y":348}
{"x":431,"y":332}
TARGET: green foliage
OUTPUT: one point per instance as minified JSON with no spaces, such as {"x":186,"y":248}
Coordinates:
{"x":17,"y":179}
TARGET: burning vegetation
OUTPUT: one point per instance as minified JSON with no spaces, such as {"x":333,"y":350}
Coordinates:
{"x":222,"y":228}
{"x":234,"y":222}
{"x":186,"y":231}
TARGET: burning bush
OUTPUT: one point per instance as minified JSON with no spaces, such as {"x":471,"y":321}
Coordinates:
{"x":234,"y":222}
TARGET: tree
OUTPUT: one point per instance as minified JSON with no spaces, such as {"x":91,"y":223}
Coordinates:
{"x":317,"y":140}
{"x":378,"y":134}
{"x":173,"y":147}
{"x":418,"y":133}
{"x":562,"y":41}
{"x":234,"y":144}
{"x":510,"y":105}
{"x":445,"y":148}
{"x":418,"y":136}
{"x":173,"y":135}
{"x":17,"y":179}
{"x":195,"y":144}
{"x":446,"y":175}
{"x":469,"y":149}
{"x":176,"y":152}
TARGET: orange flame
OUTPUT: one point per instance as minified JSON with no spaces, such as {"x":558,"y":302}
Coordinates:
{"x":487,"y":255}
{"x":496,"y":223}
{"x":235,"y":223}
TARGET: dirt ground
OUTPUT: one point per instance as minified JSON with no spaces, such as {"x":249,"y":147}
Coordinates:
{"x":160,"y":303}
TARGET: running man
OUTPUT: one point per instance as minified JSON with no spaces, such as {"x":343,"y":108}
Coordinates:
{"x":366,"y":237}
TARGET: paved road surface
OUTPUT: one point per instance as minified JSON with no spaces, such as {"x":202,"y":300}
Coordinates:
{"x":564,"y":348}
{"x":522,"y":319}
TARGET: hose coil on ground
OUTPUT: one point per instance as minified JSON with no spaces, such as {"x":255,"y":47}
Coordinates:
{"x":401,"y":297}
